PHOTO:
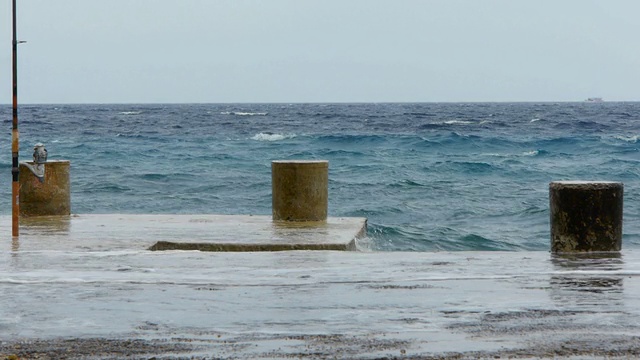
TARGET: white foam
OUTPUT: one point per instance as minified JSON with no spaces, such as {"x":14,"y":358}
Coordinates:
{"x":526,"y":153}
{"x":242,"y":113}
{"x":250,"y":113}
{"x":130,"y":112}
{"x":458,"y":122}
{"x":631,"y":139}
{"x":272,"y":137}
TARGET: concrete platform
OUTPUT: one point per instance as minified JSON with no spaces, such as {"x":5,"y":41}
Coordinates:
{"x":97,"y":296}
{"x":193,"y":232}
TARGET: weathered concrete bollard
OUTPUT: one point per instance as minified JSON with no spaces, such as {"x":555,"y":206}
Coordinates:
{"x":52,"y":196}
{"x":300,"y":190}
{"x":585,"y":216}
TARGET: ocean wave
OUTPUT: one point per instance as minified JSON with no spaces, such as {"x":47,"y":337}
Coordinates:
{"x":267,"y":136}
{"x":352,"y":138}
{"x":378,"y":212}
{"x":155,"y":176}
{"x":620,"y":114}
{"x":480,"y":243}
{"x":466,"y":167}
{"x":130,"y":136}
{"x":406,"y":183}
{"x":630,"y":139}
{"x":457,"y":135}
{"x":419,"y":114}
{"x":563,"y":141}
{"x":458,"y":122}
{"x":365,"y":244}
{"x":106,"y":187}
{"x":340,"y":152}
{"x":511,"y":155}
{"x":130,"y":113}
{"x":582,"y":125}
{"x":244,"y":113}
{"x":449,"y":123}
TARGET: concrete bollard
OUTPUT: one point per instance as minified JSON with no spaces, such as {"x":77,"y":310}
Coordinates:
{"x":52,"y":196}
{"x":300,"y":190}
{"x":585,"y":216}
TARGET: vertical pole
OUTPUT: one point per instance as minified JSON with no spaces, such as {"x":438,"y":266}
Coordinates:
{"x":15,"y":188}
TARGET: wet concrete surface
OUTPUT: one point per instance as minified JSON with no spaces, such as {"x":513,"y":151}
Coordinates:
{"x":104,"y":299}
{"x":192,"y":232}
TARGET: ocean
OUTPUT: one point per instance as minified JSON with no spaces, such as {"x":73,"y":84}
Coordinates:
{"x":428,"y":176}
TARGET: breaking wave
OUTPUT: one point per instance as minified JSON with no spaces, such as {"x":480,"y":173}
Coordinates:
{"x":243,"y":113}
{"x":267,"y":136}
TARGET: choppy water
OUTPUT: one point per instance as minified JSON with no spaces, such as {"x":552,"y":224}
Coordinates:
{"x":427,"y":176}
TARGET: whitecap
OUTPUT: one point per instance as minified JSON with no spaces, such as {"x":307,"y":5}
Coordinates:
{"x":631,"y":139}
{"x":130,"y":113}
{"x":243,"y":113}
{"x":458,"y":122}
{"x":239,"y":113}
{"x":267,"y":136}
{"x":531,"y":153}
{"x":535,"y":120}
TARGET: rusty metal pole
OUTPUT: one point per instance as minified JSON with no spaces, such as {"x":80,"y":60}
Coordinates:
{"x":15,"y":188}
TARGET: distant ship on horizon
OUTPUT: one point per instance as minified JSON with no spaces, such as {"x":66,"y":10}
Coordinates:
{"x":594,"y":99}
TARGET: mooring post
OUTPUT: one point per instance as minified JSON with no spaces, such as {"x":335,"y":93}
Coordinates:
{"x":48,"y":196}
{"x":300,"y":190}
{"x":586,"y":216}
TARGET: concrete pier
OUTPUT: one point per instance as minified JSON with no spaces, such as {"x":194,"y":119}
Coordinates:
{"x":586,"y":216}
{"x":50,"y":197}
{"x":300,"y":190}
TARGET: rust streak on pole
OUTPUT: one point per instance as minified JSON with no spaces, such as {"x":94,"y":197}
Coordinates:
{"x":15,"y":188}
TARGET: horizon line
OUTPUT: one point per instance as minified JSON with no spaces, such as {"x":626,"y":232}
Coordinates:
{"x":326,"y":102}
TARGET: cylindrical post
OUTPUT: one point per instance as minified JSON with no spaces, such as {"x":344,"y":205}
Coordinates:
{"x":300,"y":190}
{"x":49,"y":197}
{"x":585,"y":216}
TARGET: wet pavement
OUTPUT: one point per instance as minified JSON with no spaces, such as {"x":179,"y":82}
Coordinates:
{"x":105,"y":297}
{"x":190,"y":232}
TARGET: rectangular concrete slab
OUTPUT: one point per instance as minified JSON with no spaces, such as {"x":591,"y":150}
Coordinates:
{"x":193,"y":232}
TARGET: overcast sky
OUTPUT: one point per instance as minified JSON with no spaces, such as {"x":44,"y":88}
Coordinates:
{"x":212,"y":51}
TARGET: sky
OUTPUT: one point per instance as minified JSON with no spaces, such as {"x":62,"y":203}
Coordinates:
{"x":291,"y":51}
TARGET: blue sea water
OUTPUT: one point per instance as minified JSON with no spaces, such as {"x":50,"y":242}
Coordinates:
{"x":428,"y":176}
